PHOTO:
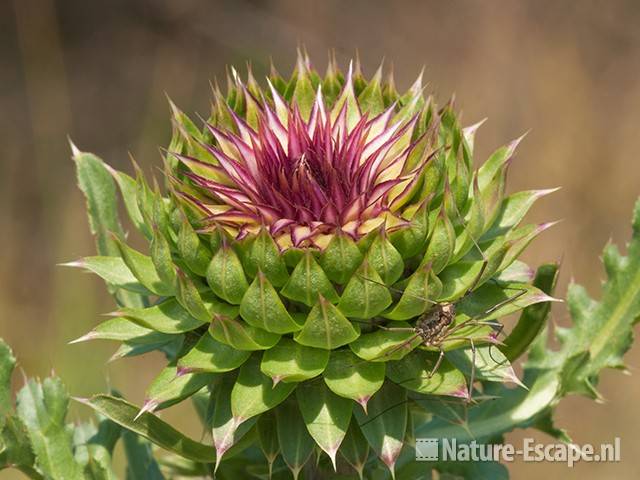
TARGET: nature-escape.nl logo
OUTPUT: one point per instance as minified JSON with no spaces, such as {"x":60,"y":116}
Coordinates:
{"x":449,"y":449}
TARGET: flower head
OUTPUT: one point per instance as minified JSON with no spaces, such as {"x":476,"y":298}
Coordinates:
{"x":318,"y":237}
{"x":309,"y":167}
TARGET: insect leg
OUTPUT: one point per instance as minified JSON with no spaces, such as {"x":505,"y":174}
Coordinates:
{"x":382,"y":327}
{"x":485,"y":260}
{"x":386,"y":410}
{"x":473,"y":368}
{"x":455,"y":328}
{"x":491,"y":347}
{"x":437,"y":365}
{"x":499,"y":330}
{"x":473,"y":361}
{"x":393,"y":350}
{"x":397,"y":290}
{"x":504,"y":302}
{"x":473,"y":321}
{"x":397,"y":329}
{"x":485,"y":263}
{"x":399,"y":347}
{"x":477,"y":320}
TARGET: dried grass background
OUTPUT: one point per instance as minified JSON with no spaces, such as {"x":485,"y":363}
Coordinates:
{"x":98,"y":71}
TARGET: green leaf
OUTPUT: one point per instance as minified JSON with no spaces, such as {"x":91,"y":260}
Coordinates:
{"x":332,"y":82}
{"x":107,"y":435}
{"x":512,"y":211}
{"x":189,"y":297}
{"x":382,"y":345}
{"x":289,"y":361}
{"x":170,"y":317}
{"x":186,"y":137}
{"x":296,"y":445}
{"x":490,"y":364}
{"x":263,"y":255}
{"x":226,"y":432}
{"x":144,"y":270}
{"x":162,"y":260}
{"x":470,"y":272}
{"x":307,"y":281}
{"x":225,"y":275}
{"x":268,"y":437}
{"x":175,"y":466}
{"x":385,"y":423}
{"x":43,"y":408}
{"x":16,"y":449}
{"x":492,"y":194}
{"x":365,"y":296}
{"x":201,"y":401}
{"x":124,"y":330}
{"x":94,"y":179}
{"x":253,"y":111}
{"x":341,"y":258}
{"x":410,"y":241}
{"x":7,"y":365}
{"x":128,"y":190}
{"x":370,"y":99}
{"x":254,"y":393}
{"x":112,"y":270}
{"x":240,"y":335}
{"x":292,"y":256}
{"x":349,"y":377}
{"x":460,"y":185}
{"x":512,"y":296}
{"x":419,"y":295}
{"x":516,"y":272}
{"x":511,"y":408}
{"x":346,"y":99}
{"x":209,"y":355}
{"x":326,"y":416}
{"x":326,"y":327}
{"x":519,"y":239}
{"x":546,"y":424}
{"x":145,"y":197}
{"x":534,"y":317}
{"x":385,"y":259}
{"x":474,"y":225}
{"x":303,"y":94}
{"x":140,"y":462}
{"x":441,"y":244}
{"x":93,"y":457}
{"x":355,"y":449}
{"x":412,"y":372}
{"x":483,"y":470}
{"x":602,"y":329}
{"x":170,"y":387}
{"x":193,"y":251}
{"x":495,"y":163}
{"x":160,"y":214}
{"x":133,"y":348}
{"x":150,"y":427}
{"x":261,"y":307}
{"x":433,"y":174}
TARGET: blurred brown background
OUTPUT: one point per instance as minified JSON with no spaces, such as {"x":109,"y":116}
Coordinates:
{"x":98,"y":72}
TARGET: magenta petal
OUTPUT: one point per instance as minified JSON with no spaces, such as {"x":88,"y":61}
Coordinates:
{"x":301,"y":176}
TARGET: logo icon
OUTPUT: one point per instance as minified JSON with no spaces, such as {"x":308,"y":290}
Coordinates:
{"x":426,"y":449}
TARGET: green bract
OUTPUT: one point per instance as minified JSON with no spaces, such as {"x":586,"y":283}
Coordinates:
{"x":302,"y":217}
